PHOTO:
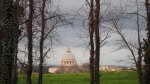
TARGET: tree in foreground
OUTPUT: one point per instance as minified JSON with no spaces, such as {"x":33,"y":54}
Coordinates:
{"x":91,"y":32}
{"x":1,"y":36}
{"x":8,"y":43}
{"x":30,"y":42}
{"x":146,"y":47}
{"x":94,"y":22}
{"x":97,"y":41}
{"x":40,"y":79}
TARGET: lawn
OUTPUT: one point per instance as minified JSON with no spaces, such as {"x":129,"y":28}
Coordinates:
{"x":83,"y":78}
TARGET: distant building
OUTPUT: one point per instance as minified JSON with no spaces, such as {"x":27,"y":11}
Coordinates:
{"x":68,"y":64}
{"x":68,"y":59}
{"x":109,"y":68}
{"x":53,"y":70}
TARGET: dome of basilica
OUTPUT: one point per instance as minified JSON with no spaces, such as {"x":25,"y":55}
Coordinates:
{"x":68,"y":59}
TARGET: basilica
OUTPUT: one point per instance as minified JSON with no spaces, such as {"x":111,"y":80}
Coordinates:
{"x":68,"y":59}
{"x":68,"y":64}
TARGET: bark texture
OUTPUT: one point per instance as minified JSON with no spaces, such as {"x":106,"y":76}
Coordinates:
{"x":42,"y":43}
{"x":91,"y":32}
{"x":94,"y":22}
{"x":8,"y":31}
{"x":97,"y":41}
{"x":30,"y":42}
{"x":146,"y":47}
{"x":1,"y":33}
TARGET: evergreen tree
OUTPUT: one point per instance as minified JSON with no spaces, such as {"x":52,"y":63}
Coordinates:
{"x":1,"y":36}
{"x":8,"y":42}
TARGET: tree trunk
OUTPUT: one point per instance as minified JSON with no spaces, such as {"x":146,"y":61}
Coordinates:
{"x":42,"y":43}
{"x":1,"y":33}
{"x":146,"y":48}
{"x":139,"y":59}
{"x":30,"y":41}
{"x":14,"y":73}
{"x":94,"y":28}
{"x":97,"y":41}
{"x":9,"y":41}
{"x":91,"y":32}
{"x":139,"y":69}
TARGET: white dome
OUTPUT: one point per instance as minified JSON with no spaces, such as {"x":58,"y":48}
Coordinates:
{"x":68,"y":59}
{"x":68,"y":56}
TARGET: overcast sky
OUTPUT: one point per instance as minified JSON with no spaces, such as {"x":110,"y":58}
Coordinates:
{"x":69,"y":36}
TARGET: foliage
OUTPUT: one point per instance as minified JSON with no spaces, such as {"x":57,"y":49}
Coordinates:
{"x":8,"y":43}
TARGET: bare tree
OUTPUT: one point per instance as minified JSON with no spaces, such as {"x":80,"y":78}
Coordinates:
{"x":129,"y":46}
{"x":94,"y":21}
{"x":18,"y":14}
{"x":136,"y":50}
{"x":30,"y":42}
{"x":139,"y":49}
{"x":50,"y":21}
{"x":42,"y":42}
{"x":97,"y":40}
{"x":91,"y":32}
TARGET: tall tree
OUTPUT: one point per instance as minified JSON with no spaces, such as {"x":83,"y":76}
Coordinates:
{"x":18,"y":14}
{"x":9,"y":33}
{"x":97,"y":40}
{"x":1,"y":34}
{"x":30,"y":42}
{"x":139,"y":49}
{"x":135,"y":48}
{"x":146,"y":47}
{"x":42,"y":42}
{"x":129,"y":46}
{"x":94,"y":22}
{"x":91,"y":32}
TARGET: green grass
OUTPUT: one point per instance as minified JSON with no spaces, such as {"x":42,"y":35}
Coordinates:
{"x":119,"y":78}
{"x":83,"y":78}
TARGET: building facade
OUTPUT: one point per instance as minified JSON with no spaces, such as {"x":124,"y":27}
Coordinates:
{"x":68,"y":64}
{"x":68,"y":59}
